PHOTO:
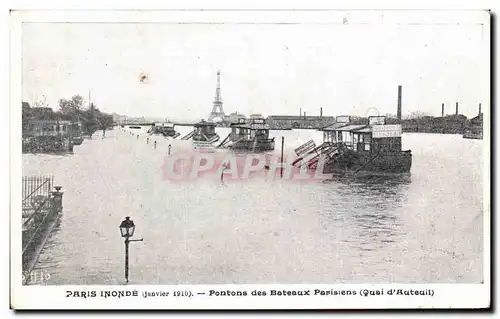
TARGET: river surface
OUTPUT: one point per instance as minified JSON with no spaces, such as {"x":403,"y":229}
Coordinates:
{"x":422,"y":228}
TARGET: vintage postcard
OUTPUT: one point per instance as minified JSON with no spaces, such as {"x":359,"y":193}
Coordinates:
{"x":205,"y":159}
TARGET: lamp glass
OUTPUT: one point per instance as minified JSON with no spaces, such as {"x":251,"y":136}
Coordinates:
{"x":131,"y":231}
{"x":123,"y":230}
{"x":127,"y":227}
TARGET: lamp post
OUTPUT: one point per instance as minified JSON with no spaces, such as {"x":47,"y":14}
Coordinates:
{"x":127,"y":228}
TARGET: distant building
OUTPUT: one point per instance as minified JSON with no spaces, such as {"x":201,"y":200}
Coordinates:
{"x":51,"y":128}
{"x":450,"y":124}
{"x":117,"y":118}
{"x":233,"y":117}
{"x":291,"y":121}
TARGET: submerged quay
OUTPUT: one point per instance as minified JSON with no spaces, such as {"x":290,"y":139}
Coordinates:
{"x":42,"y":205}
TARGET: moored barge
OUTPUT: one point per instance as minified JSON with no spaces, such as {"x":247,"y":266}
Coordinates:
{"x":203,"y":136}
{"x":252,"y":135}
{"x":374,"y":148}
{"x":205,"y":132}
{"x":165,"y":129}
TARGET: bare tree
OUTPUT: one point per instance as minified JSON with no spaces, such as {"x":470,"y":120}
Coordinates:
{"x":73,"y":107}
{"x":41,"y":102}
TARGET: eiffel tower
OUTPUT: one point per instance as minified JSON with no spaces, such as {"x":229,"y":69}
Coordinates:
{"x":217,"y":104}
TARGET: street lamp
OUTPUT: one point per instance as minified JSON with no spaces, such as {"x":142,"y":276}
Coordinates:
{"x":127,"y":228}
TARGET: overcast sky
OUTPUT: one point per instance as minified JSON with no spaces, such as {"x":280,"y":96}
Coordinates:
{"x":272,"y":69}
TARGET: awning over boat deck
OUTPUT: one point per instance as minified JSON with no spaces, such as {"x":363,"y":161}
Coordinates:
{"x":204,"y":123}
{"x":335,"y":126}
{"x":365,"y":130}
{"x":251,"y":126}
{"x":350,"y":128}
{"x":241,"y":125}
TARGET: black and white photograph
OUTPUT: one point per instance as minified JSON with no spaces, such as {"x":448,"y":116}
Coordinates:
{"x":250,"y":159}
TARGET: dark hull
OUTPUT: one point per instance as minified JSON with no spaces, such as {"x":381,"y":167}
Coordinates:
{"x":169,"y":134}
{"x":205,"y":138}
{"x":165,"y":133}
{"x":261,"y":145}
{"x":386,"y":163}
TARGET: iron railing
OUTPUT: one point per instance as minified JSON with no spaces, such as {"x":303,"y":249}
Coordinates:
{"x":36,"y":191}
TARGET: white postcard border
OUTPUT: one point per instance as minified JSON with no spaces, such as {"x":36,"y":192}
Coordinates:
{"x":54,"y":297}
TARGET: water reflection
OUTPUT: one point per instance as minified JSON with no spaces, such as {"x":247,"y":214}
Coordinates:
{"x":368,"y":209}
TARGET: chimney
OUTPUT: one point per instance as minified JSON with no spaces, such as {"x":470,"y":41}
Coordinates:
{"x":400,"y":93}
{"x":442,"y":110}
{"x":456,"y":109}
{"x":304,"y":115}
{"x":300,"y":112}
{"x":479,"y":108}
{"x":321,"y":111}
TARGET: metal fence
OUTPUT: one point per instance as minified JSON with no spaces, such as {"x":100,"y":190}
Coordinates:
{"x":35,"y":193}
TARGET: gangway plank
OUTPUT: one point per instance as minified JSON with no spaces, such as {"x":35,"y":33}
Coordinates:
{"x":188,"y":136}
{"x":224,"y":141}
{"x":325,"y":148}
{"x":214,"y":139}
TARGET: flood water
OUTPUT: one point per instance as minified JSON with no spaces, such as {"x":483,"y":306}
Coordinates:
{"x":425,"y":228}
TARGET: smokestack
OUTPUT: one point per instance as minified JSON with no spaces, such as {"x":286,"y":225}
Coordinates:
{"x":442,"y":110}
{"x":321,"y":111}
{"x":479,"y":108}
{"x":456,"y":109}
{"x":304,"y":115}
{"x":400,"y":93}
{"x":300,"y":112}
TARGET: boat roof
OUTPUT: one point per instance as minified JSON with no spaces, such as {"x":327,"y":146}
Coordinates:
{"x":204,"y":123}
{"x":334,"y":126}
{"x":250,"y":126}
{"x":165,"y":124}
{"x":245,"y":125}
{"x":345,"y":127}
{"x":349,"y":128}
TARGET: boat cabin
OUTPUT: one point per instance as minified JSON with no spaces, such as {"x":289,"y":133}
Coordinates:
{"x":375,"y":137}
{"x":205,"y":128}
{"x":166,"y":129}
{"x":167,"y":126}
{"x":205,"y":131}
{"x":249,"y":130}
{"x":251,"y":135}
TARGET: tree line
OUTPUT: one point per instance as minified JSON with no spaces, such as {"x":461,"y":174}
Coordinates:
{"x":74,"y":109}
